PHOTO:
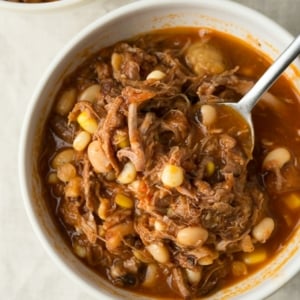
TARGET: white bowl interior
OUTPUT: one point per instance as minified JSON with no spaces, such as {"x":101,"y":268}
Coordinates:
{"x":126,"y":22}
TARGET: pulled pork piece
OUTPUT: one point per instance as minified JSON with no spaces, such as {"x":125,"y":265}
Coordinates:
{"x":88,"y":226}
{"x":136,"y":153}
{"x":115,"y":235}
{"x":175,"y":121}
{"x":91,"y":202}
{"x":112,"y":121}
{"x":179,"y":281}
{"x":133,"y":95}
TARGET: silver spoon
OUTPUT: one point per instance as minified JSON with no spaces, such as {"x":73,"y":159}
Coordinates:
{"x":248,"y":101}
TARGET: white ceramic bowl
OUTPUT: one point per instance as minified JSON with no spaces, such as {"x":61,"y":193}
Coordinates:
{"x":123,"y":23}
{"x":38,"y":7}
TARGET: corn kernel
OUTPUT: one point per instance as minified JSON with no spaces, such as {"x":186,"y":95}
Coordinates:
{"x":79,"y":250}
{"x":292,"y":201}
{"x":210,"y":168}
{"x":124,"y":201}
{"x":52,"y":178}
{"x":121,"y":139}
{"x":81,"y":140}
{"x":127,"y":174}
{"x":255,"y":257}
{"x":73,"y":188}
{"x":172,"y":176}
{"x":103,"y":208}
{"x":87,"y":122}
{"x":116,"y":61}
{"x":124,"y":143}
{"x":101,"y":231}
{"x":238,"y":268}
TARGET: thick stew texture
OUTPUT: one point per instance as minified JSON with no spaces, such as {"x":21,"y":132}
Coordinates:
{"x":151,"y":182}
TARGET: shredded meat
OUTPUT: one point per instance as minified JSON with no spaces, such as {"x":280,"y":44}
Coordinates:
{"x":112,"y":121}
{"x":153,"y":124}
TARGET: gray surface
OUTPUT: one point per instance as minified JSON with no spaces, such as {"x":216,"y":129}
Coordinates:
{"x":284,"y":12}
{"x":287,"y":14}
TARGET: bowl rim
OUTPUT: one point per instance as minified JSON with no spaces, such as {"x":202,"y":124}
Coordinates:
{"x":23,"y":163}
{"x":42,"y":6}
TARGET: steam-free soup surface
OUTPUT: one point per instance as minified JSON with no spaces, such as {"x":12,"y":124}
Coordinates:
{"x":149,"y":180}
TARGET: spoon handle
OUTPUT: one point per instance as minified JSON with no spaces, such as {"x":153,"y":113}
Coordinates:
{"x":269,"y":77}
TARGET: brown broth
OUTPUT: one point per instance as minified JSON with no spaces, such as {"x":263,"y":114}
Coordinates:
{"x":278,"y":123}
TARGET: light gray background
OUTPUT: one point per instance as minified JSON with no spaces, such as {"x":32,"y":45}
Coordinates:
{"x":28,"y":42}
{"x":284,"y":12}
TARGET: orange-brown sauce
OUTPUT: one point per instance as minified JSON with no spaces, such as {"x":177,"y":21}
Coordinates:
{"x":277,"y":122}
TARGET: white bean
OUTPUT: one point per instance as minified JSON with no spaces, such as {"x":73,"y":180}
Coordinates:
{"x":156,"y":75}
{"x":63,"y":157}
{"x":81,"y":140}
{"x":66,"y":172}
{"x":209,"y":114}
{"x":66,"y":102}
{"x":247,"y":244}
{"x":276,"y":158}
{"x":97,"y":157}
{"x":90,"y":94}
{"x":159,"y":252}
{"x":194,"y":276}
{"x":192,"y":236}
{"x":263,"y":230}
{"x":116,"y":61}
{"x":115,"y":235}
{"x":151,"y":275}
